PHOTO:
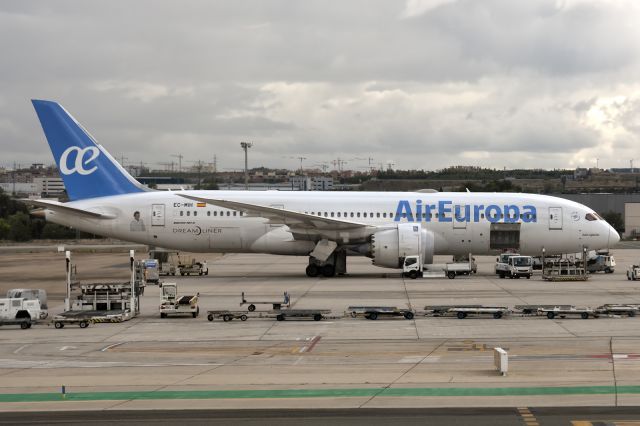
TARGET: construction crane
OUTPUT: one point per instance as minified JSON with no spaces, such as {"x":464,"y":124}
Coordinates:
{"x":179,"y":157}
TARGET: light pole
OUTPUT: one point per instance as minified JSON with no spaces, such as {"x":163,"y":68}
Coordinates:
{"x":245,"y":146}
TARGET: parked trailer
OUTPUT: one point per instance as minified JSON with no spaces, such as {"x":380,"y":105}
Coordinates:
{"x":315,"y":314}
{"x":375,"y":312}
{"x":463,"y":311}
{"x":618,"y":309}
{"x":286,"y":301}
{"x":84,"y":318}
{"x":24,"y":323}
{"x":582,"y":312}
{"x":227,"y":316}
{"x":537,"y":310}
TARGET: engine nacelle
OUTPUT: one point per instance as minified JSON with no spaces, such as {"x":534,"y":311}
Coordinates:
{"x":391,"y":246}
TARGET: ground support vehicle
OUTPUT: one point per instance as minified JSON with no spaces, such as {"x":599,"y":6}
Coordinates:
{"x":615,"y":309}
{"x":276,"y":305}
{"x":31,"y":294}
{"x":315,"y":314}
{"x":463,"y":311}
{"x":413,"y":268}
{"x":15,"y":311}
{"x":564,"y":269}
{"x":375,"y":312}
{"x":173,"y":304}
{"x":536,"y":310}
{"x":151,"y":271}
{"x":227,"y":316}
{"x":564,"y":312}
{"x":601,"y":263}
{"x":24,"y":323}
{"x":502,"y":264}
{"x":193,"y":267}
{"x":519,"y":266}
{"x":84,"y":318}
{"x":167,"y":269}
{"x":633,"y":273}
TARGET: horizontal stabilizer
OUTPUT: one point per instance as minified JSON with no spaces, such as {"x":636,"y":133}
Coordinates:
{"x":63,"y":208}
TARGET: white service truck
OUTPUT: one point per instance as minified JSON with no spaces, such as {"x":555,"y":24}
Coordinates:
{"x":633,"y":273}
{"x":31,"y":294}
{"x":601,"y":263}
{"x":19,"y":311}
{"x":413,"y":268}
{"x":502,"y":264}
{"x":519,"y":266}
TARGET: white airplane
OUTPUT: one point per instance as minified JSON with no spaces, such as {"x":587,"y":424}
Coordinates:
{"x":325,"y":226}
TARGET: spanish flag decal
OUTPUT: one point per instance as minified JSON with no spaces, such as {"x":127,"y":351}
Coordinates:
{"x":201,"y":205}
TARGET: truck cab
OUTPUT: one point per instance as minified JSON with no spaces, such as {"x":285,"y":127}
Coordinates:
{"x":18,"y":309}
{"x":502,"y":264}
{"x":520,"y":266}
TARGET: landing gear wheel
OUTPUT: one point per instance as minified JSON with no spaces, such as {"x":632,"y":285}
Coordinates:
{"x":461,"y":315}
{"x":251,"y":308}
{"x":551,"y":315}
{"x":413,"y":274}
{"x":451,"y":275}
{"x":58,"y":324}
{"x":312,"y":270}
{"x":328,"y":271}
{"x":497,"y":315}
{"x":408,"y":315}
{"x":243,"y":317}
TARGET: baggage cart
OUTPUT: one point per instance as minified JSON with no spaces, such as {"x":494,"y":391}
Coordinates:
{"x":375,"y":312}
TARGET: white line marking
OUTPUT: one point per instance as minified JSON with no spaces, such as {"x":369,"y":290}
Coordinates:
{"x":20,"y":348}
{"x":106,"y":348}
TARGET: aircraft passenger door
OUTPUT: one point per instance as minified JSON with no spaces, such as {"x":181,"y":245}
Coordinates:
{"x":555,"y":217}
{"x":157,"y":214}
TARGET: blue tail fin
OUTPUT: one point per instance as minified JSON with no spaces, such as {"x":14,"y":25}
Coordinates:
{"x":86,"y":168}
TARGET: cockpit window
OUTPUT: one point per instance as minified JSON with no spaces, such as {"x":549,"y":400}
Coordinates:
{"x":591,"y":216}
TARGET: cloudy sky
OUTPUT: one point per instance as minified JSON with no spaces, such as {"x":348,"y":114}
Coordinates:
{"x":421,"y":83}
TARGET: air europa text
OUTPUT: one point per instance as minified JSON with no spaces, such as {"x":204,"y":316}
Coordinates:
{"x":446,"y":211}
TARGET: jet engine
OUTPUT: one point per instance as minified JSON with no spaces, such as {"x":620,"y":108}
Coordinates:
{"x":389,"y":247}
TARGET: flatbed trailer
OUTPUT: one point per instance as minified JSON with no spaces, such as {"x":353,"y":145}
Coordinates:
{"x":84,"y":318}
{"x":564,"y":312}
{"x":227,"y":316}
{"x":315,"y":314}
{"x":276,"y":305}
{"x":618,"y":309}
{"x":463,"y":311}
{"x":537,"y":310}
{"x":24,"y":323}
{"x":375,"y":312}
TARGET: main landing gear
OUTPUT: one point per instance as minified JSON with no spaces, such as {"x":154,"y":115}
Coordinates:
{"x":336,"y":263}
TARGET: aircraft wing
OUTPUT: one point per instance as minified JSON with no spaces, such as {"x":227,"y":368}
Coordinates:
{"x":63,"y":208}
{"x":291,"y":218}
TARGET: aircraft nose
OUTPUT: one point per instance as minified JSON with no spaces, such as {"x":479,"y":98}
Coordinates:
{"x":614,"y":237}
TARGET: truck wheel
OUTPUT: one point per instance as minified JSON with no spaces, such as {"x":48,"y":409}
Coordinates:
{"x":584,"y":315}
{"x":206,"y":272}
{"x":24,"y":325}
{"x":497,"y":315}
{"x":163,"y":315}
{"x":373,"y":316}
{"x":502,"y":276}
{"x":628,"y":277}
{"x":195,"y":314}
{"x":84,"y":324}
{"x":413,"y":274}
{"x":243,"y":317}
{"x":551,"y":315}
{"x":317,"y":317}
{"x":210,"y":317}
{"x":461,"y":315}
{"x":451,"y":275}
{"x":200,"y":273}
{"x":408,"y":315}
{"x":328,"y":271}
{"x":226,"y":318}
{"x":312,"y":270}
{"x":251,"y":308}
{"x":528,"y":276}
{"x":58,"y":324}
{"x":280,"y":317}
